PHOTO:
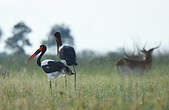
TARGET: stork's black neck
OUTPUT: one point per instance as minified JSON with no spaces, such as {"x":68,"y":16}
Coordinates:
{"x":59,"y":43}
{"x":40,"y":56}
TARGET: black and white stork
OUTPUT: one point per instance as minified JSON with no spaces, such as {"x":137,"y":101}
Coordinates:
{"x":50,"y":67}
{"x":66,"y":53}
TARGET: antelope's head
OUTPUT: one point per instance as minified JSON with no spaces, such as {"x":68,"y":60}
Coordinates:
{"x":148,"y":53}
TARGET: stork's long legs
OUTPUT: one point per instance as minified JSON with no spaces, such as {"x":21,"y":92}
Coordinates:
{"x":75,"y":77}
{"x":50,"y":84}
{"x":56,"y":83}
{"x":65,"y":80}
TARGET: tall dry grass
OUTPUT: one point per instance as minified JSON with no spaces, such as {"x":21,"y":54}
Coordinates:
{"x":99,"y":87}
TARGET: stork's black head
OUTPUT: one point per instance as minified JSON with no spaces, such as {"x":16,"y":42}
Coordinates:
{"x":57,"y":34}
{"x":43,"y":48}
{"x":58,"y":41}
{"x":58,"y":38}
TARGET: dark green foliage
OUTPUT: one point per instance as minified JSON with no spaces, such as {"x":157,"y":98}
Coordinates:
{"x":18,"y":41}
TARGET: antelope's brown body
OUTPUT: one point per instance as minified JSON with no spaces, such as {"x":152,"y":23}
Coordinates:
{"x":131,"y":65}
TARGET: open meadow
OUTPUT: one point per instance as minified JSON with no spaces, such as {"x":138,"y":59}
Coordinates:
{"x":84,"y":55}
{"x":99,"y":87}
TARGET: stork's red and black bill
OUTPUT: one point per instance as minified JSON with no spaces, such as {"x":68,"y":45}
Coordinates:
{"x":36,"y":53}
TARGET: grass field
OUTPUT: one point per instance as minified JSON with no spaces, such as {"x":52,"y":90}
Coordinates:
{"x":99,"y":88}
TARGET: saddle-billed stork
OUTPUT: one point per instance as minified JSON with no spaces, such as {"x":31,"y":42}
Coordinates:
{"x":50,"y":67}
{"x":66,"y":53}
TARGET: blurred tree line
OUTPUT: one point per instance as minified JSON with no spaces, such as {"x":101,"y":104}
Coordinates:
{"x":19,"y":40}
{"x":88,"y":60}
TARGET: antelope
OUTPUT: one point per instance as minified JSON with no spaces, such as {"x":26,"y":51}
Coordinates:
{"x":129,"y":65}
